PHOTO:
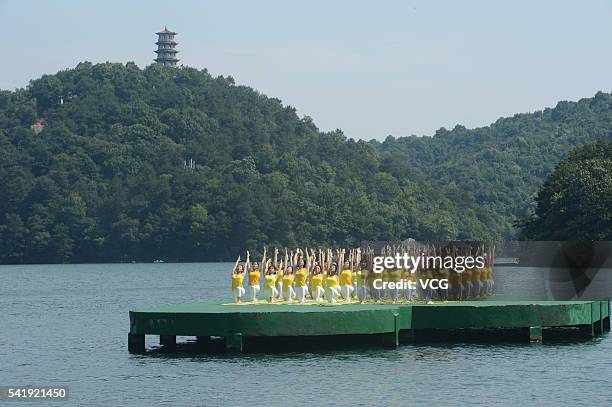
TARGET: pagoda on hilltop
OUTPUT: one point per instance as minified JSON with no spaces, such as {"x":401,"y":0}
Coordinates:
{"x":166,"y":48}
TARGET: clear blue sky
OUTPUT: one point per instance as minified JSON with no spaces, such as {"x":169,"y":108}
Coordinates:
{"x":369,"y":68}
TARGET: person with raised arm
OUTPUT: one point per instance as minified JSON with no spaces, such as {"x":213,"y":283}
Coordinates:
{"x":489,"y":259}
{"x":288,"y":292}
{"x":331,"y":282}
{"x":477,"y":274}
{"x":281,"y":271}
{"x":375,"y":293}
{"x":254,"y":277}
{"x":346,"y":276}
{"x":237,"y":279}
{"x":316,"y":283}
{"x":361,"y":276}
{"x":270,"y":291}
{"x":301,"y":276}
{"x":409,"y":278}
{"x":444,"y":274}
{"x":386,"y":275}
{"x":466,"y":277}
{"x":457,"y":281}
{"x":327,"y":265}
{"x":395,"y":279}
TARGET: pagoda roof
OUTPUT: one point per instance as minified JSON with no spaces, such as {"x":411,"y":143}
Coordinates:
{"x":166,"y":31}
{"x":166,"y":51}
{"x":166,"y":42}
{"x":166,"y":59}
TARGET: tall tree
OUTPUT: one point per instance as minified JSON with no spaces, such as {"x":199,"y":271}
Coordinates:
{"x":575,"y":202}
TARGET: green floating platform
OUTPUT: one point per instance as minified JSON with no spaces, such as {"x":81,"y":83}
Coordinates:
{"x":236,"y":322}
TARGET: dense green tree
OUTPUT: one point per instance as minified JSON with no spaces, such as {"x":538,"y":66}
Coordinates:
{"x":174,"y":164}
{"x":496,"y":170}
{"x":575,"y":202}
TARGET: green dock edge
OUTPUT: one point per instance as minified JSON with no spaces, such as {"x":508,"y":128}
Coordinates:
{"x":279,"y":320}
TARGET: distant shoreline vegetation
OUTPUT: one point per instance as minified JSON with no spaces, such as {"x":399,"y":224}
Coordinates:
{"x":113,"y":163}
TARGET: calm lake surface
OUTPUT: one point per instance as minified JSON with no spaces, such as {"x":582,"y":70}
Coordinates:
{"x":68,"y":324}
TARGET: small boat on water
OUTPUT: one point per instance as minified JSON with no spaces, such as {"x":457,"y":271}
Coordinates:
{"x":506,"y":261}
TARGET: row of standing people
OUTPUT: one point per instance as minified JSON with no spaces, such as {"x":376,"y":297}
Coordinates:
{"x":309,"y":274}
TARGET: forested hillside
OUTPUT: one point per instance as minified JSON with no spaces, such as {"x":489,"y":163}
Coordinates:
{"x":575,"y":202}
{"x":111,"y":162}
{"x":498,"y":169}
{"x":106,"y":180}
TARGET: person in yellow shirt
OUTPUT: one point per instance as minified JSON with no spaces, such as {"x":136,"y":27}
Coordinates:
{"x":489,"y":255}
{"x":331,"y":284}
{"x":316,"y":283}
{"x":237,"y":279}
{"x":475,"y":280}
{"x":371,"y":281}
{"x":279,"y":281}
{"x":395,"y":277}
{"x":420,"y":291}
{"x":454,"y":282}
{"x":466,"y":283}
{"x":490,"y":280}
{"x":429,"y":292}
{"x":444,"y":274}
{"x":361,"y":281}
{"x":409,"y":277}
{"x":345,"y":281}
{"x":270,"y":291}
{"x":254,"y":277}
{"x":279,"y":275}
{"x":288,"y":292}
{"x":300,"y":280}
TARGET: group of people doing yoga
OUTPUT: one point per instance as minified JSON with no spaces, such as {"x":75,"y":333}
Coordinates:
{"x":327,"y":275}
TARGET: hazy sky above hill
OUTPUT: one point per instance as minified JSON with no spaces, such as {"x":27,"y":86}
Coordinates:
{"x":370,"y":68}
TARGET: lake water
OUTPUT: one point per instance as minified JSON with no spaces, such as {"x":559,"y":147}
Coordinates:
{"x":68,"y":324}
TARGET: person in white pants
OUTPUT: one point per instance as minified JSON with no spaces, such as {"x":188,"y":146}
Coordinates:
{"x":331,"y":284}
{"x":280,"y":273}
{"x":254,"y":277}
{"x":361,"y":278}
{"x":279,"y":287}
{"x":238,"y":294}
{"x":318,"y":294}
{"x":253,"y":288}
{"x":288,"y":292}
{"x":362,"y":293}
{"x":346,"y":281}
{"x":301,"y":279}
{"x":237,"y":279}
{"x":270,"y":291}
{"x":375,"y":293}
{"x":331,"y":294}
{"x":316,"y":283}
{"x":408,"y":294}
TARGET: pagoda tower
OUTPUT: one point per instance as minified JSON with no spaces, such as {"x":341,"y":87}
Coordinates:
{"x":166,"y":52}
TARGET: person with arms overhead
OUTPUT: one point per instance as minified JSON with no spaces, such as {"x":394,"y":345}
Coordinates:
{"x":237,"y":279}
